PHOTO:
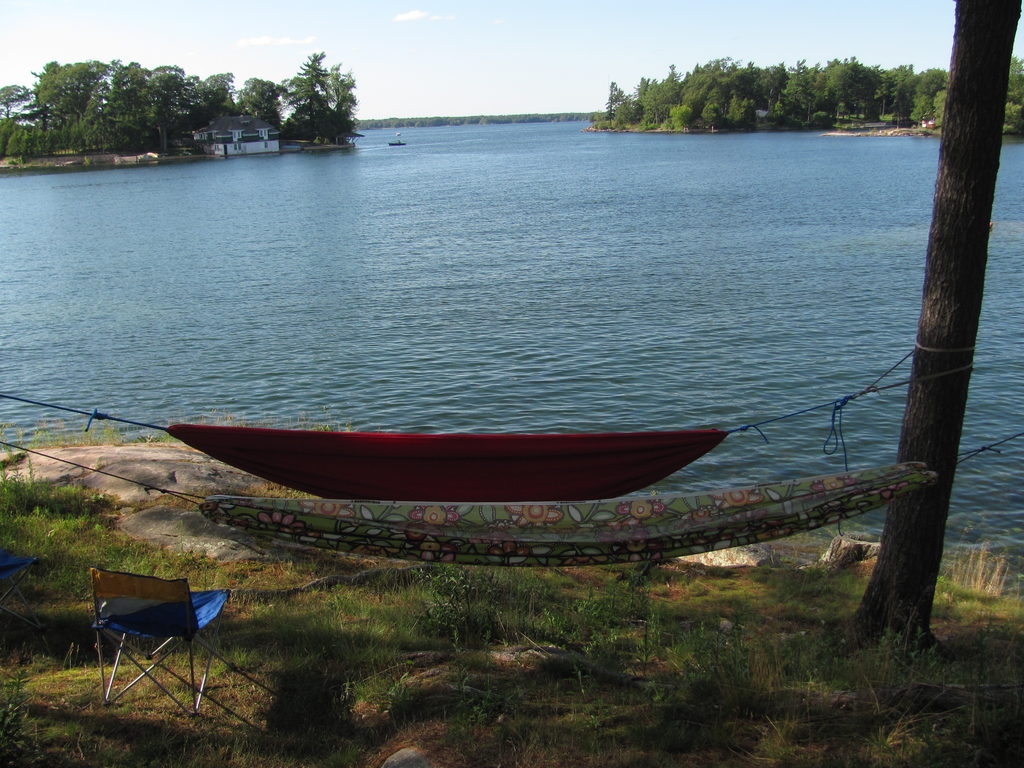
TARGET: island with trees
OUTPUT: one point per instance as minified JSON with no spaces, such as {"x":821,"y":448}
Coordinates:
{"x":95,"y":107}
{"x":725,"y":94}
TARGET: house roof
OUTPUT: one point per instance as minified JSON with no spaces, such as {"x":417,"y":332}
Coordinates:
{"x":237,"y":123}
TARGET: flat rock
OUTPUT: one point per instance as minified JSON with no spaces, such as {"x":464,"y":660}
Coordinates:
{"x":160,"y":466}
{"x":186,"y":530}
{"x":139,"y":467}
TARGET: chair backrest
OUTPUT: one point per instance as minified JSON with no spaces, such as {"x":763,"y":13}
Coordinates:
{"x":143,"y":605}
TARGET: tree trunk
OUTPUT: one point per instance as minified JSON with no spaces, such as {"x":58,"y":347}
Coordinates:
{"x":901,"y":590}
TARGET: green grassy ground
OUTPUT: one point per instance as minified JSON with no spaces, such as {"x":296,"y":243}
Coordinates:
{"x":686,"y":665}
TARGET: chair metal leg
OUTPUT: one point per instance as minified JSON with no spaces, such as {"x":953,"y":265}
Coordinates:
{"x":14,"y":591}
{"x":158,"y":656}
{"x":123,"y":650}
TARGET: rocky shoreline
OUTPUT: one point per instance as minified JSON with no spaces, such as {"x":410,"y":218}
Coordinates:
{"x":97,"y":160}
{"x":871,"y":132}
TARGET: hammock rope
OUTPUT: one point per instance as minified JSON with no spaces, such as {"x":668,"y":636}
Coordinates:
{"x":993,"y":447}
{"x":94,"y":414}
{"x":833,"y":442}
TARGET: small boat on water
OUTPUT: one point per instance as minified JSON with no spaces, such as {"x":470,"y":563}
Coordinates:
{"x":397,"y":142}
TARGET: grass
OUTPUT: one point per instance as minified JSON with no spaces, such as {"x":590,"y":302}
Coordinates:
{"x":480,"y":667}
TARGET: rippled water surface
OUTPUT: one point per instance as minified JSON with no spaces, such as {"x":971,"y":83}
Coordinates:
{"x":515,"y":278}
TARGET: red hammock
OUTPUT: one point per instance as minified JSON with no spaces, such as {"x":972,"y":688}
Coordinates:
{"x":464,"y":467}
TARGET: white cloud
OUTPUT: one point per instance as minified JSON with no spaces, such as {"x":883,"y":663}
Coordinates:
{"x":420,"y":16}
{"x":411,"y":16}
{"x":500,"y":21}
{"x":268,"y":40}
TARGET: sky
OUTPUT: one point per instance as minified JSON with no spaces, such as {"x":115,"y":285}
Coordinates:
{"x":417,"y":58}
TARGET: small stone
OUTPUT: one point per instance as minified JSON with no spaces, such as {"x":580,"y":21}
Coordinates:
{"x":410,"y":757}
{"x":756,"y":555}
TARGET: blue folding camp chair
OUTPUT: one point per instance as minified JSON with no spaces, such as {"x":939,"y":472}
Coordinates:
{"x":13,"y":570}
{"x":145,"y":619}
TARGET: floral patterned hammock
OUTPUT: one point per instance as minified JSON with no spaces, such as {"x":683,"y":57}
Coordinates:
{"x":627,"y":529}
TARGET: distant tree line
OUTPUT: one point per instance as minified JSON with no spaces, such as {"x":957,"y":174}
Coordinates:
{"x":427,"y":122}
{"x":96,"y":107}
{"x":724,"y":93}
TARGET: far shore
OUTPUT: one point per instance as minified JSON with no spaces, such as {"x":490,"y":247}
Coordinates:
{"x":919,"y":132}
{"x":96,"y":160}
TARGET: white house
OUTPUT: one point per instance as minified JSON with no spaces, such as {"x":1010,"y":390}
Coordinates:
{"x":242,"y":135}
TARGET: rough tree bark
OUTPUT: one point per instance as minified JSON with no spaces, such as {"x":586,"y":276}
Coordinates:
{"x":901,"y":590}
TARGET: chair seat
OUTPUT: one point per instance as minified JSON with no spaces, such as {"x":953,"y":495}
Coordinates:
{"x":168,"y":619}
{"x":12,"y":564}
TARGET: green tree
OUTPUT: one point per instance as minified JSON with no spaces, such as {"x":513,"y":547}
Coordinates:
{"x":741,"y":112}
{"x":853,"y":87}
{"x":659,"y":97}
{"x":928,"y":85}
{"x":629,"y":113}
{"x":20,"y":143}
{"x":214,"y":97}
{"x":127,"y":118}
{"x":939,"y":107}
{"x":1014,"y":121}
{"x":711,"y":114}
{"x":896,"y":92}
{"x":262,"y":99}
{"x":712,"y":82}
{"x":322,"y":102}
{"x":170,"y":99}
{"x":13,"y":98}
{"x":772,"y":83}
{"x":681,"y":116}
{"x":616,"y":97}
{"x":800,"y":92}
{"x":7,"y":127}
{"x":341,"y":100}
{"x":71,"y":93}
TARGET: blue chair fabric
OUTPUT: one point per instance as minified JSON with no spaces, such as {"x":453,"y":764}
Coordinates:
{"x":13,"y":570}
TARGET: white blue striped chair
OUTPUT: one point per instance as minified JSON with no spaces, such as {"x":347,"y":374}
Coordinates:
{"x":143,"y":620}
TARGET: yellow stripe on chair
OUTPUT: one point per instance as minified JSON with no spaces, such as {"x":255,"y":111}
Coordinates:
{"x":113,"y":584}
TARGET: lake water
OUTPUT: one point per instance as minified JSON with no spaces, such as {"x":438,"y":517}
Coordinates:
{"x":515,"y":278}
